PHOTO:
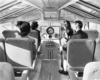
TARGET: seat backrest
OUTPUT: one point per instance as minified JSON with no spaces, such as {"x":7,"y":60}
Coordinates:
{"x":6,"y":71}
{"x":92,"y":34}
{"x":97,"y":50}
{"x":19,"y":52}
{"x":2,"y":51}
{"x":9,"y":33}
{"x":80,"y":52}
{"x":92,"y":71}
{"x":34,"y":34}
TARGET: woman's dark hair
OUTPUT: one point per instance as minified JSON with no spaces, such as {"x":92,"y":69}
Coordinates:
{"x":25,"y":29}
{"x":70,"y":32}
{"x":68,"y":23}
{"x":34,"y":25}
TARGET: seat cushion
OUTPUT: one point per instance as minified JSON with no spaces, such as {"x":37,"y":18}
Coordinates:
{"x":34,"y":34}
{"x":92,"y":71}
{"x":97,"y":50}
{"x":80,"y":52}
{"x":2,"y":51}
{"x":6,"y":71}
{"x":19,"y":52}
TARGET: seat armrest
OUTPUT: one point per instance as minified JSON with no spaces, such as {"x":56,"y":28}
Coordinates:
{"x":38,"y":61}
{"x":37,"y":67}
{"x":25,"y":75}
{"x":80,"y":69}
{"x":23,"y":68}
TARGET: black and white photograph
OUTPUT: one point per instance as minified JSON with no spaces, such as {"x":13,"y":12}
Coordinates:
{"x":49,"y":39}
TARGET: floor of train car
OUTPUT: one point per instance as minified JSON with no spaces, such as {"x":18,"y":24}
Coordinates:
{"x":48,"y":70}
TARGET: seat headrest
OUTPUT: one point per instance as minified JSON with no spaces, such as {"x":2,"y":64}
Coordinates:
{"x":9,"y":33}
{"x":22,"y":48}
{"x":92,"y":71}
{"x":92,"y":34}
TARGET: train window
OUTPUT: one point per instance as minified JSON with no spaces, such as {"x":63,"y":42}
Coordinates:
{"x":50,"y":15}
{"x":7,"y":26}
{"x":55,"y":31}
{"x":3,"y":2}
{"x":94,"y":26}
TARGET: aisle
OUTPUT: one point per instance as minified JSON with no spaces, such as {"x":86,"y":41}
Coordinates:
{"x":49,"y":70}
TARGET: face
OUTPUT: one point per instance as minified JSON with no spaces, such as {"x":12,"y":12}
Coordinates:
{"x":17,"y":28}
{"x":77,"y":26}
{"x":65,"y":24}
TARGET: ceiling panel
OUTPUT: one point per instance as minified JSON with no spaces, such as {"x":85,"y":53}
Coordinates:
{"x":86,"y":9}
{"x":82,"y":7}
{"x":5,"y":2}
{"x":81,"y":12}
{"x":28,"y":16}
{"x":48,"y":3}
{"x":12,"y":11}
{"x":21,"y":12}
{"x":37,"y":3}
{"x":94,"y":2}
{"x":68,"y":15}
{"x":60,"y":3}
{"x":28,"y":6}
{"x":15,"y":9}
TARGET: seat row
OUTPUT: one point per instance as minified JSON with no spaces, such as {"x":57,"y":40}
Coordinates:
{"x":92,"y":34}
{"x":15,"y":48}
{"x":19,"y":53}
{"x":80,"y":52}
{"x":14,"y":33}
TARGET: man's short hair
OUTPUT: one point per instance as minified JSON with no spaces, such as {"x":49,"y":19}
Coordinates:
{"x":80,"y":23}
{"x":25,"y":29}
{"x":19,"y":23}
{"x":34,"y":25}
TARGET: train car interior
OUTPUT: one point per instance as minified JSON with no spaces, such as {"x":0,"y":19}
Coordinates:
{"x":42,"y":55}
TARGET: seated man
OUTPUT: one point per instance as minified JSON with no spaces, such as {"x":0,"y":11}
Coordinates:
{"x":78,"y":35}
{"x":34,"y":26}
{"x":24,"y":28}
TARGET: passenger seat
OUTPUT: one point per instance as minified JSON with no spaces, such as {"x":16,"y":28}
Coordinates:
{"x":2,"y":51}
{"x":92,"y":34}
{"x":97,"y":50}
{"x":34,"y":35}
{"x":9,"y":33}
{"x":7,"y":72}
{"x":20,"y":53}
{"x":92,"y":71}
{"x":79,"y":53}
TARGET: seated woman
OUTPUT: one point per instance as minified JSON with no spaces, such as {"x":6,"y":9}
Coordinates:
{"x":78,"y":35}
{"x":66,"y":35}
{"x":34,"y":26}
